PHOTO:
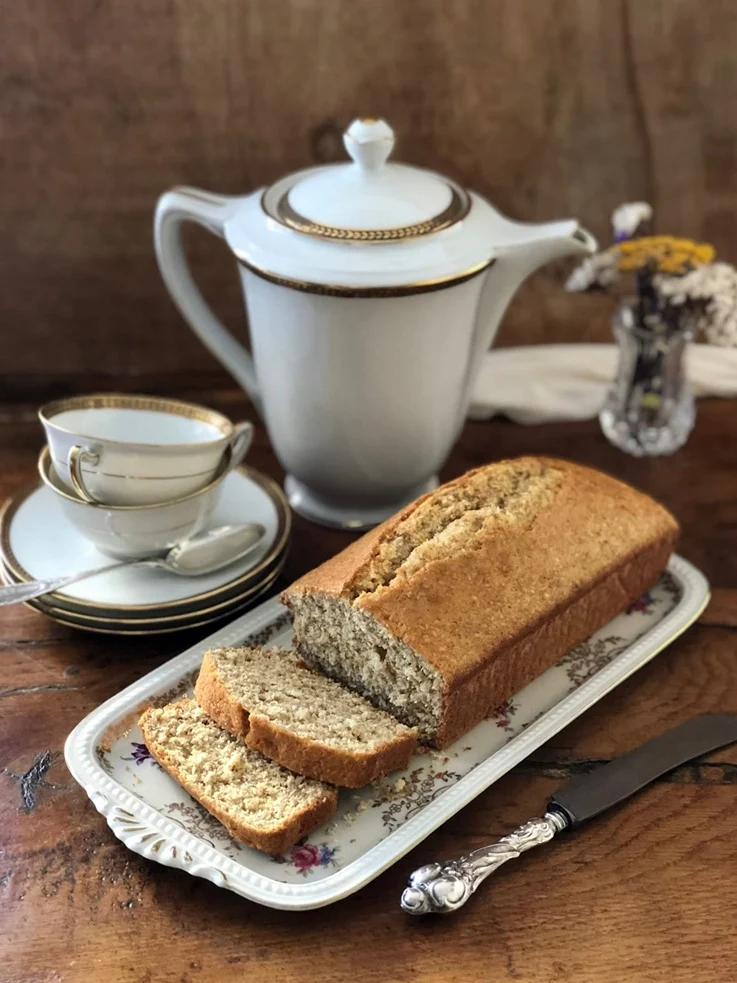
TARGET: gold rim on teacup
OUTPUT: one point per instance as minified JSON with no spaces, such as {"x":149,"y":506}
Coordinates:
{"x":121,"y":449}
{"x":124,"y":401}
{"x":45,"y":466}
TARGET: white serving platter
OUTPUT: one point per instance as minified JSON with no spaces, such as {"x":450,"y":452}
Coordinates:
{"x":374,"y":826}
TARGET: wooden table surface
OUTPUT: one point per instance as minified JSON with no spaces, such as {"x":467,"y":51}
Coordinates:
{"x":645,"y":893}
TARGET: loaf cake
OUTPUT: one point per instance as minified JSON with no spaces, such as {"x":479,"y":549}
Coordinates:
{"x":469,"y":593}
{"x":299,"y":718}
{"x":258,"y":802}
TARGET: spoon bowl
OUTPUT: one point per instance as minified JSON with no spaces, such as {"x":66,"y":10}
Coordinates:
{"x":211,"y":550}
{"x":204,"y":553}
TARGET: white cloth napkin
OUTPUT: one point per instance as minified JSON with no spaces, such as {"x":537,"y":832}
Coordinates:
{"x":545,"y":383}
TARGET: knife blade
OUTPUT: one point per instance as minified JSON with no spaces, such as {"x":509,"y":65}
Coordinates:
{"x":442,"y":888}
{"x":587,"y":795}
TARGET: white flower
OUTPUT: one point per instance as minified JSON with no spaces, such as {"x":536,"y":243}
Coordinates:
{"x":599,"y":270}
{"x":627,"y":218}
{"x":708,"y":296}
{"x":705,"y":282}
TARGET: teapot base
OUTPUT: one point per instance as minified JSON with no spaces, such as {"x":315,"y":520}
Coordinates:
{"x":340,"y":516}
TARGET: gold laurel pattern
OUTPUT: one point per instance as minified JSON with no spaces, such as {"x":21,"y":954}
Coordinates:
{"x":457,"y":209}
{"x":363,"y":235}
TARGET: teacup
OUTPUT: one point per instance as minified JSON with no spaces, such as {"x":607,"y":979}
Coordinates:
{"x":135,"y":531}
{"x":138,"y":450}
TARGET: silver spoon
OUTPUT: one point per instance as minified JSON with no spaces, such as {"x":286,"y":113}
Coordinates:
{"x":202,"y":553}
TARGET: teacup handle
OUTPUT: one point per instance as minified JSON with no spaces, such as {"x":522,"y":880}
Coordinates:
{"x":75,"y":459}
{"x":239,"y":443}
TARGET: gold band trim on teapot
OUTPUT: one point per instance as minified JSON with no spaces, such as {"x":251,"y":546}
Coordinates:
{"x":285,"y":214}
{"x":337,"y":290}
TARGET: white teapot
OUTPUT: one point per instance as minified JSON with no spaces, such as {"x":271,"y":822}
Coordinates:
{"x":373,"y":289}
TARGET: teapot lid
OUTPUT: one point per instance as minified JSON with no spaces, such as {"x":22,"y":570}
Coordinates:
{"x":365,"y":227}
{"x":369,"y":200}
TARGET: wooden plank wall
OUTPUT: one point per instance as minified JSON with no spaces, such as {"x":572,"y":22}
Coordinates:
{"x":550,"y":107}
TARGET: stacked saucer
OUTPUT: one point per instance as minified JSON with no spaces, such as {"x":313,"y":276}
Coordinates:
{"x":37,"y":541}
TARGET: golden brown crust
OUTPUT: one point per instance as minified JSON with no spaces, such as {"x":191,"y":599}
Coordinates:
{"x":460,"y":611}
{"x":305,"y":757}
{"x":547,"y":642}
{"x":275,"y":841}
{"x":214,"y":697}
{"x":336,"y":574}
{"x":472,"y":615}
{"x":349,"y":769}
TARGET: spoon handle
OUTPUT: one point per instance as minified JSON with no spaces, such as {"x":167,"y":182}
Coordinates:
{"x":17,"y":593}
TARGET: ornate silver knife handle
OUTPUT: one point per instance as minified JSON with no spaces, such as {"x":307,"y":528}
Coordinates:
{"x":442,"y":888}
{"x":446,"y":887}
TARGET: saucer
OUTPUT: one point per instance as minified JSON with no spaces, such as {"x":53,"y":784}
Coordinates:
{"x":184,"y":619}
{"x":153,"y":626}
{"x":37,"y":542}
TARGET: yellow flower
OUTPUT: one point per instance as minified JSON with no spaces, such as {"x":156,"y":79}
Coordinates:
{"x":662,"y":254}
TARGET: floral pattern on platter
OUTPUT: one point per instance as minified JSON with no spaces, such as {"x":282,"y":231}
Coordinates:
{"x":404,"y":797}
{"x":590,"y":656}
{"x":502,"y":715}
{"x":669,"y":586}
{"x":643,"y":605}
{"x":185,"y":687}
{"x":259,"y":638}
{"x":140,"y":754}
{"x":306,"y":857}
{"x":647,"y":603}
{"x":195,"y":819}
{"x":103,"y":759}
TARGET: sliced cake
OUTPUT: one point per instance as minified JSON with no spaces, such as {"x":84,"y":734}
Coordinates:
{"x":472,"y":591}
{"x":299,"y":718}
{"x":256,"y":800}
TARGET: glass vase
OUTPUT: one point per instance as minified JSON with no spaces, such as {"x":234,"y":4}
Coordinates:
{"x":650,"y":408}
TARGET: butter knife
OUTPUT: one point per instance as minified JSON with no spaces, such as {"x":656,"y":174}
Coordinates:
{"x":445,"y":887}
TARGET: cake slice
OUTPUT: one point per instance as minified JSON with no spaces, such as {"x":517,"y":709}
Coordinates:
{"x":299,"y":718}
{"x":256,"y":800}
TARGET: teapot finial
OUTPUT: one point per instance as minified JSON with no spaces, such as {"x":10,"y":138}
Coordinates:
{"x":369,"y":142}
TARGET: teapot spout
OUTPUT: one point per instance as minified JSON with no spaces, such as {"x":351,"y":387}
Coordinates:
{"x":530,"y":246}
{"x":519,"y":249}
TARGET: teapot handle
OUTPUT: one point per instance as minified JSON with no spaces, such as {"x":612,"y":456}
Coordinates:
{"x":211,"y":211}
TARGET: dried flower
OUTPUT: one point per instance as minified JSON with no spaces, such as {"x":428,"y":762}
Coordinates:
{"x":627,"y":218}
{"x":662,"y":254}
{"x":677,"y":279}
{"x":655,"y":254}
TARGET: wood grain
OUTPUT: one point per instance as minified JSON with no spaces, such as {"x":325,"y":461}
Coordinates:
{"x":722,"y":609}
{"x":643,"y":893}
{"x":632,"y":896}
{"x":567,"y":108}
